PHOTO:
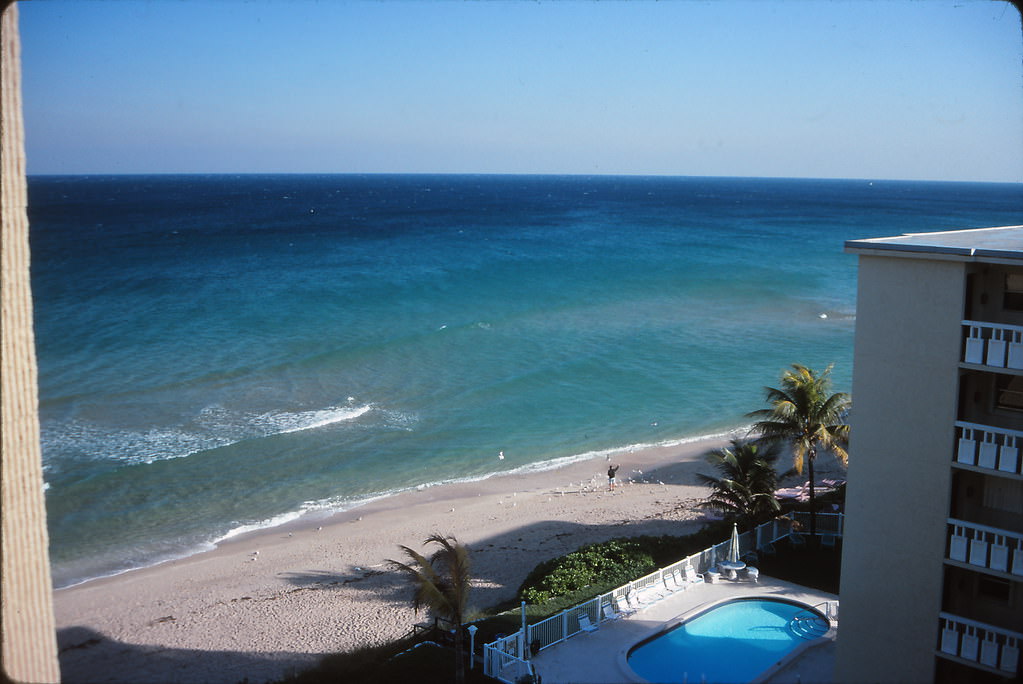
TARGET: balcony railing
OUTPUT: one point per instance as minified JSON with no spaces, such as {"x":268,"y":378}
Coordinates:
{"x":991,"y":448}
{"x":994,"y":344}
{"x":985,"y":547}
{"x":977,"y":643}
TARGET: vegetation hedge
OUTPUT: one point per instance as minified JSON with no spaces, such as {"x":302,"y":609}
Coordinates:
{"x":615,"y":562}
{"x":604,"y":566}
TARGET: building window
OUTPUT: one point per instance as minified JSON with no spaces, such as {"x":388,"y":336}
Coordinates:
{"x":1009,"y":392}
{"x":1013,"y":298}
{"x":994,"y":588}
{"x":1003,"y":495}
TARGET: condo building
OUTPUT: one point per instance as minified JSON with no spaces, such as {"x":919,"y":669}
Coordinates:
{"x":932,"y":567}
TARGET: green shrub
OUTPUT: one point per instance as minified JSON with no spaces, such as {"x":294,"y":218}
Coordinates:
{"x":614,"y":562}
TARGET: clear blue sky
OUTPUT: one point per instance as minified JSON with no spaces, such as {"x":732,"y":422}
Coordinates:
{"x":929,"y":90}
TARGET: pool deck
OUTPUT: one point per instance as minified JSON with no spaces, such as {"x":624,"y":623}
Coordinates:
{"x":599,"y":657}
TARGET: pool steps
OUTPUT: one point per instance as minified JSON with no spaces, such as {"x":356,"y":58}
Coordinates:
{"x":809,"y":625}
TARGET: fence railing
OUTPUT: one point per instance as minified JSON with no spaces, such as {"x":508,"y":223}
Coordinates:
{"x":507,"y":658}
{"x":978,"y":643}
{"x":985,"y":547}
{"x":988,"y":447}
{"x":998,"y":345}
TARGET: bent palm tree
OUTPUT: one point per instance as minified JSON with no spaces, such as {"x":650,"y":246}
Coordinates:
{"x":441,"y":584}
{"x":745,"y":488}
{"x":806,"y":416}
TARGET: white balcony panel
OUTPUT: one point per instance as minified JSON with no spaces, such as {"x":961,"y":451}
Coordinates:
{"x":999,"y":558}
{"x":988,"y":456}
{"x":996,"y":351}
{"x":950,"y":641}
{"x":989,"y":652}
{"x":992,"y":448}
{"x":992,"y":647}
{"x":978,"y":552}
{"x":968,"y":648}
{"x":967,"y":450}
{"x":998,"y":345}
{"x":1008,"y":458}
{"x":1016,"y":351}
{"x":957,"y":548}
{"x":1010,"y":658}
{"x":974,"y":350}
{"x":986,"y":547}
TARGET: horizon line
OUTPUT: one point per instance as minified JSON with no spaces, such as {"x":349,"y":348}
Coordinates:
{"x":515,"y":174}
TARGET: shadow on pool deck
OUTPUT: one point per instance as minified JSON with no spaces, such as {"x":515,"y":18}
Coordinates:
{"x":599,"y":657}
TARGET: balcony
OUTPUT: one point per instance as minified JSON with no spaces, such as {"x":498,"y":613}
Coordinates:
{"x":979,"y":645}
{"x":986,"y":548}
{"x":993,"y":345}
{"x":989,"y":449}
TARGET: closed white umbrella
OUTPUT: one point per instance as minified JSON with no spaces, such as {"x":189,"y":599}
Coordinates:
{"x":733,"y":547}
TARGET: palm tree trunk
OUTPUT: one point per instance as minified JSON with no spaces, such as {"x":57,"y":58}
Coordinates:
{"x":459,"y":656}
{"x":813,"y":499}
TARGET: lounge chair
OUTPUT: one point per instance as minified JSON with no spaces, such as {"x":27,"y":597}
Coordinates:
{"x":585,"y":624}
{"x":610,"y":613}
{"x":649,"y":595}
{"x":690,"y":576}
{"x":673,"y":582}
{"x":624,"y":609}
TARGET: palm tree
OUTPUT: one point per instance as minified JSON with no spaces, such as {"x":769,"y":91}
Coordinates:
{"x":441,"y":584}
{"x":745,"y":488}
{"x":804,"y":415}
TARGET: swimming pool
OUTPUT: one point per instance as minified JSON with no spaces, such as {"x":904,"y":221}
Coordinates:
{"x":735,"y":641}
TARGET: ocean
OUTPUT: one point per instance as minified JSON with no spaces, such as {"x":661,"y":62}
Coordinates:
{"x":225,"y":353}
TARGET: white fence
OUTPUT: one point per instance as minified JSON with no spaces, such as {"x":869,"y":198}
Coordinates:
{"x":507,"y":659}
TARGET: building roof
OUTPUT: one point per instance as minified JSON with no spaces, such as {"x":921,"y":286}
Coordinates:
{"x":980,"y":244}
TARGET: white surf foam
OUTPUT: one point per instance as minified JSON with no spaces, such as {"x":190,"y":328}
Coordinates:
{"x":284,"y":423}
{"x":215,"y":428}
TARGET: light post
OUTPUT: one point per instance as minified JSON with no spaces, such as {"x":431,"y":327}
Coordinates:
{"x":472,"y":645}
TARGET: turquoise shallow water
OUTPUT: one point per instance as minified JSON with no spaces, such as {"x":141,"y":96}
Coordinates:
{"x":224,"y":352}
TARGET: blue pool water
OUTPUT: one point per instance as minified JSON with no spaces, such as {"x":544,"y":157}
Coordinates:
{"x":732,"y":642}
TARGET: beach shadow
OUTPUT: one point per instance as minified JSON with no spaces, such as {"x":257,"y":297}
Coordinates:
{"x":497,"y":581}
{"x":326,"y":579}
{"x":87,"y":656}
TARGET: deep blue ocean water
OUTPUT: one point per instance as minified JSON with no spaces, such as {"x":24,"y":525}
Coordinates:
{"x":224,"y":352}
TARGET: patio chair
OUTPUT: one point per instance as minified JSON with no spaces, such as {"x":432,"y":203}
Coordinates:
{"x":649,"y":595}
{"x":585,"y":624}
{"x":624,"y":609}
{"x":673,"y":583}
{"x":690,"y":576}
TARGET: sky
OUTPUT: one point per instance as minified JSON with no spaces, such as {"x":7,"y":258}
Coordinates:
{"x":880,"y":89}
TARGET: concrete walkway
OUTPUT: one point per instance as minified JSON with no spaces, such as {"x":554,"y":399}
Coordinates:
{"x":600,"y":657}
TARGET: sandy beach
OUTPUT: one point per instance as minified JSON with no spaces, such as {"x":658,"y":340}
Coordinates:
{"x":270,"y":602}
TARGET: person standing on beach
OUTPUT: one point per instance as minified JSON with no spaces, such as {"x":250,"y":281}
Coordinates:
{"x":611,"y":477}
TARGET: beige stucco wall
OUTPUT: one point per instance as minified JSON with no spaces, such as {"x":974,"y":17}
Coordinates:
{"x":905,"y":370}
